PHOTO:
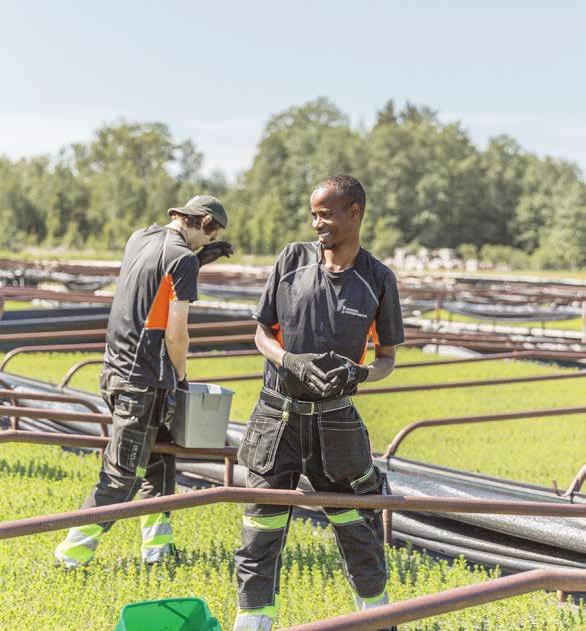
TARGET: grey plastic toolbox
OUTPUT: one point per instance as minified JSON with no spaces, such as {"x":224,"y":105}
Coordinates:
{"x":202,"y":415}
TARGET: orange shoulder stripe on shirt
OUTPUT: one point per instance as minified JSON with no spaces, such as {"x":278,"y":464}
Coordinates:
{"x":372,"y":334}
{"x":159,"y":312}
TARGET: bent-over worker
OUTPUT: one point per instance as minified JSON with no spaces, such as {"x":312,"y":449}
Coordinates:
{"x":147,"y":341}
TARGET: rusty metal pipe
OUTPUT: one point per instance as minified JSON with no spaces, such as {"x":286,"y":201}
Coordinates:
{"x":180,"y":501}
{"x":50,"y":348}
{"x":451,"y":600}
{"x":460,"y":420}
{"x":15,"y":395}
{"x":198,"y":327}
{"x":470,"y":384}
{"x":75,"y":368}
{"x":56,"y":414}
{"x":99,"y":442}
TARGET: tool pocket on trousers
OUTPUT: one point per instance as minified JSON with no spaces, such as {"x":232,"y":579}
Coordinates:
{"x":260,"y":442}
{"x":344,"y":443}
{"x":128,"y":447}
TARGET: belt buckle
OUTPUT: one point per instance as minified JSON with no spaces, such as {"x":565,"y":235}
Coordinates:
{"x":312,"y":408}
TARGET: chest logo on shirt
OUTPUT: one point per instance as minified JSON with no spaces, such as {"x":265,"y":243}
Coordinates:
{"x":352,"y":312}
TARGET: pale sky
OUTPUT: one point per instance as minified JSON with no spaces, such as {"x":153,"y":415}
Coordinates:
{"x":216,"y":71}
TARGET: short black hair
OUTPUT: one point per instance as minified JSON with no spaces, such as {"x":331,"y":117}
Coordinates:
{"x":348,"y":186}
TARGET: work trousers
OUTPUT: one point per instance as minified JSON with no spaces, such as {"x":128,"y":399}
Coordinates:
{"x":332,"y":449}
{"x":128,"y":467}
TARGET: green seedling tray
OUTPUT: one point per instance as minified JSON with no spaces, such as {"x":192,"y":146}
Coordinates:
{"x":169,"y":614}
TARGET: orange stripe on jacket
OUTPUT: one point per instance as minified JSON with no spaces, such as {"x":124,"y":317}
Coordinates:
{"x":372,"y":334}
{"x":159,"y":311}
{"x":277,"y":328}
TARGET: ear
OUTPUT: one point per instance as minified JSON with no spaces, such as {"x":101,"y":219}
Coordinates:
{"x":355,"y":210}
{"x":206,"y":220}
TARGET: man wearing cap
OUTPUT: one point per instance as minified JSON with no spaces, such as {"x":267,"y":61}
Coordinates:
{"x":144,"y":362}
{"x":322,"y":303}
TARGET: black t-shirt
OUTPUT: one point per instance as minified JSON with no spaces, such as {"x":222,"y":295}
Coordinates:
{"x":158,"y":267}
{"x":316,"y":311}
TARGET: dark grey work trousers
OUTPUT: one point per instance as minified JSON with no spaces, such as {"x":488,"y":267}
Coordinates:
{"x":128,"y":467}
{"x":332,"y":449}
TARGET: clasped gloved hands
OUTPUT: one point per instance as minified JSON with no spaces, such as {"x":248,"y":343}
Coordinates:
{"x":348,"y":373}
{"x":304,"y":367}
{"x":213,"y":251}
{"x":345,"y":373}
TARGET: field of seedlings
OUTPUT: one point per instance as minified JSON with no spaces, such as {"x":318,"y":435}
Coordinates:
{"x":38,"y":480}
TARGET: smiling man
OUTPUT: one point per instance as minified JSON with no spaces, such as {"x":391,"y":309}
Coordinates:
{"x":321,"y":305}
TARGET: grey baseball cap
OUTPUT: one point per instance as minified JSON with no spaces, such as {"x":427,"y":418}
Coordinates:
{"x":204,"y":205}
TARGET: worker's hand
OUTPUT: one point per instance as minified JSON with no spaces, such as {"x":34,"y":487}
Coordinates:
{"x":183,"y":384}
{"x":304,"y":367}
{"x":348,"y":373}
{"x":213,"y":251}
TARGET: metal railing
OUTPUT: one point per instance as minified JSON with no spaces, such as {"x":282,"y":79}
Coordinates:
{"x":461,"y":420}
{"x":452,"y":600}
{"x":234,"y":495}
{"x":228,"y":454}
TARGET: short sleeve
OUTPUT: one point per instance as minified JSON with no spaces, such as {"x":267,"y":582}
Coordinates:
{"x":389,"y":320}
{"x":266,"y":309}
{"x":183,"y":273}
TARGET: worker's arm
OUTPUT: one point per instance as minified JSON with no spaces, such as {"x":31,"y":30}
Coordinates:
{"x":267,"y":344}
{"x":177,"y":336}
{"x":383,"y":364}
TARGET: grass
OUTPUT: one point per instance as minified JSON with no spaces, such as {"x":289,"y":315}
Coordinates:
{"x":574,"y":324}
{"x":39,"y":480}
{"x":19,"y":305}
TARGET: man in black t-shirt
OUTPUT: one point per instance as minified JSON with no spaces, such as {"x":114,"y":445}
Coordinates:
{"x":319,"y":308}
{"x":145,"y":361}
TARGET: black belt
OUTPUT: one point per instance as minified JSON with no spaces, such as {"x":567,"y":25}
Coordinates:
{"x":305,"y":408}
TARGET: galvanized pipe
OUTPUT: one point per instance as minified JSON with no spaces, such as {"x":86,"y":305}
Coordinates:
{"x":452,"y":600}
{"x":576,"y":483}
{"x":180,"y":501}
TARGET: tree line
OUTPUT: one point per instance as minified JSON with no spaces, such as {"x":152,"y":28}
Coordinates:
{"x":427,"y":185}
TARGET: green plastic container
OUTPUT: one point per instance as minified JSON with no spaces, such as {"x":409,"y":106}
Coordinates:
{"x":170,"y":614}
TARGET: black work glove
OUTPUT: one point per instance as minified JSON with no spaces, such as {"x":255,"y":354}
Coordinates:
{"x":213,"y":251}
{"x":304,"y":367}
{"x":348,"y":373}
{"x":183,"y":384}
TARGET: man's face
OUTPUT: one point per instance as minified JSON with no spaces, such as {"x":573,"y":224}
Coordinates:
{"x":198,"y":237}
{"x":335,"y":220}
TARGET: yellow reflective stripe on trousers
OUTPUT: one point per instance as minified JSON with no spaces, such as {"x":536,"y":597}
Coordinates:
{"x":270,"y":610}
{"x":266,"y":522}
{"x":346,"y":517}
{"x":80,"y":544}
{"x":147,"y":521}
{"x":364,"y":603}
{"x":375,"y":599}
{"x":156,"y":530}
